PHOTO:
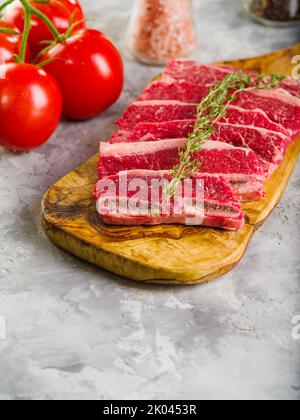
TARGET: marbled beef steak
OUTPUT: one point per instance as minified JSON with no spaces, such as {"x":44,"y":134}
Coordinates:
{"x":280,"y":106}
{"x":269,"y":145}
{"x":176,"y":90}
{"x":196,"y":73}
{"x":247,"y":144}
{"x":152,"y":131}
{"x":221,"y":207}
{"x":241,"y":167}
{"x":156,"y":111}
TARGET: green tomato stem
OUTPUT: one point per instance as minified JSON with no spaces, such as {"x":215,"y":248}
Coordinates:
{"x":44,"y":18}
{"x":9,"y":31}
{"x":27,"y":27}
{"x":28,"y":11}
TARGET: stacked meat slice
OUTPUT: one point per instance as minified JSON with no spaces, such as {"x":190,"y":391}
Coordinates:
{"x":246,"y":147}
{"x":220,"y":206}
{"x":239,"y":166}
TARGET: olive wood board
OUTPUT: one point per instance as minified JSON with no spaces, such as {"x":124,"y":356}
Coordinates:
{"x":165,"y":254}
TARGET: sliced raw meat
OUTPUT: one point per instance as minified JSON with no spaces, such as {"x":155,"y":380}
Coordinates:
{"x":239,"y":166}
{"x":155,"y":156}
{"x":256,"y":118}
{"x":268,"y":145}
{"x":169,"y":115}
{"x":279,"y":105}
{"x":155,"y":111}
{"x":155,"y":131}
{"x":196,"y":73}
{"x":291,"y":85}
{"x":221,"y":207}
{"x":271,"y":146}
{"x":123,"y":136}
{"x":191,"y":93}
{"x":174,"y":90}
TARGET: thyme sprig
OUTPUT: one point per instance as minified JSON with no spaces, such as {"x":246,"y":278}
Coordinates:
{"x":209,"y":111}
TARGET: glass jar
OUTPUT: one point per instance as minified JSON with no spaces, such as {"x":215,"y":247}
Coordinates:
{"x":274,"y":12}
{"x":161,"y":30}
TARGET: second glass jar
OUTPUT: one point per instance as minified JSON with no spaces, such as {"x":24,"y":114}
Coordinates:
{"x":275,"y":12}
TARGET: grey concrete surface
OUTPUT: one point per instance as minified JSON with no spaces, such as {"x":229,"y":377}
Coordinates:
{"x":73,"y":331}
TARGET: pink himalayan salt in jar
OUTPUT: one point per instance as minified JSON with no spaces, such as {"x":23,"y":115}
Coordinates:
{"x":162,"y":30}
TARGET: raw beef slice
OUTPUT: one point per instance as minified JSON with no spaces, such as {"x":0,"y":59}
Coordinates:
{"x":221,"y":207}
{"x":269,"y":145}
{"x":155,"y":111}
{"x":254,"y":118}
{"x":196,"y":73}
{"x":166,"y":115}
{"x":154,"y":131}
{"x":241,"y":167}
{"x":291,"y":85}
{"x":174,"y":90}
{"x":279,"y":105}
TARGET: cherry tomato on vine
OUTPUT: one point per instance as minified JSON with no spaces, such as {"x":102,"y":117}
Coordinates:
{"x":89,"y":71}
{"x":58,"y":11}
{"x":10,"y":43}
{"x":30,"y":106}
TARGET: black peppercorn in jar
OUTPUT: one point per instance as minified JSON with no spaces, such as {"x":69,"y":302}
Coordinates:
{"x":275,"y":12}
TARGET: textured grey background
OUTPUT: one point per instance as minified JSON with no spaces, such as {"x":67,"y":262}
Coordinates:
{"x":74,"y":331}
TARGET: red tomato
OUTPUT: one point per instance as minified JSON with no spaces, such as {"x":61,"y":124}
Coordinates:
{"x":89,"y":71}
{"x":30,"y":106}
{"x":58,"y":11}
{"x":10,"y":44}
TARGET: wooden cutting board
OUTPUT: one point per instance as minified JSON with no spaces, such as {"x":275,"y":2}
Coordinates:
{"x":161,"y":254}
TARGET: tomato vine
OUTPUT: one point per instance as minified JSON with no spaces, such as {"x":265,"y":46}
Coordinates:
{"x":28,"y":11}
